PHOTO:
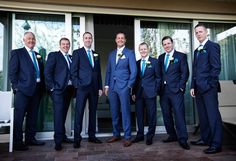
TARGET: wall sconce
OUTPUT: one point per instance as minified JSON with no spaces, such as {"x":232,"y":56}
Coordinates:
{"x":26,"y":25}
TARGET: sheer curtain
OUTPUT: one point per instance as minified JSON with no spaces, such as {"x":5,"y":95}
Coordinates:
{"x":225,"y":35}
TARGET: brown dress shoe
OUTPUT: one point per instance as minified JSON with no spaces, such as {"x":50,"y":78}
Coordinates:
{"x":127,"y":143}
{"x":113,"y":139}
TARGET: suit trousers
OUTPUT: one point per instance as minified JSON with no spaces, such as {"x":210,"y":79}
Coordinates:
{"x":61,"y":102}
{"x":26,"y":106}
{"x":120,"y":101}
{"x":209,"y":117}
{"x":150,"y":104}
{"x":173,"y":104}
{"x":81,"y":97}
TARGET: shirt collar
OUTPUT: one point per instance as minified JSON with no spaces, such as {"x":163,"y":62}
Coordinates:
{"x":28,"y":49}
{"x":86,"y":49}
{"x":146,"y":58}
{"x":171,"y":53}
{"x":63,"y":53}
{"x":119,"y":50}
{"x":204,"y":42}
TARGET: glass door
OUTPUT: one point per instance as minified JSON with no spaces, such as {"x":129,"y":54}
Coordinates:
{"x":48,"y":29}
{"x":152,"y":32}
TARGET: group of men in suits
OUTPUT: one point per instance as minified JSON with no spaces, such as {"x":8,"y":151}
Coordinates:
{"x":144,"y":80}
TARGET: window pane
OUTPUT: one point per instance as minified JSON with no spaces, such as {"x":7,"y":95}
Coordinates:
{"x":76,"y":33}
{"x":152,"y":33}
{"x":1,"y":55}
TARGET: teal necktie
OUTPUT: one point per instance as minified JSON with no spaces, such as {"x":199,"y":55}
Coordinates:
{"x":35,"y":64}
{"x":143,"y":66}
{"x":166,"y":62}
{"x":68,"y":60}
{"x":89,"y":56}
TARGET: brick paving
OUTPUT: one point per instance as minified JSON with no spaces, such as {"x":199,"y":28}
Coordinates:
{"x":116,"y":152}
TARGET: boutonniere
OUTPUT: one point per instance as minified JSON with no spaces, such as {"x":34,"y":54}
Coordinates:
{"x":201,"y":49}
{"x":38,"y":56}
{"x":121,"y":56}
{"x":173,"y":60}
{"x":95,"y":55}
{"x":148,"y":64}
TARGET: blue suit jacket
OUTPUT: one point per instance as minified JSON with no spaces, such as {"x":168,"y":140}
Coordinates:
{"x":57,"y":72}
{"x":206,"y":68}
{"x":148,"y":85}
{"x":22,"y":73}
{"x":82,"y":72}
{"x":123,"y":73}
{"x":177,"y":74}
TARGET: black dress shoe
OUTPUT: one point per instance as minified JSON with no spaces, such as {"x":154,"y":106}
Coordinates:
{"x":94,"y":140}
{"x":66,"y":140}
{"x":198,"y":143}
{"x":58,"y":147}
{"x":149,"y":142}
{"x":20,"y":147}
{"x":137,"y":139}
{"x":35,"y":142}
{"x":170,"y":139}
{"x":76,"y":145}
{"x":184,"y":145}
{"x":212,"y":150}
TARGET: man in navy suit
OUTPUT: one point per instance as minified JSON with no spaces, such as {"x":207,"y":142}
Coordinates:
{"x":27,"y":80}
{"x":204,"y":87}
{"x":146,"y":88}
{"x":58,"y":81}
{"x":120,"y":77}
{"x":174,"y":73}
{"x":86,"y":78}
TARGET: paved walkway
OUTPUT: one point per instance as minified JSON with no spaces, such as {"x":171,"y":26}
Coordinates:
{"x":116,"y":152}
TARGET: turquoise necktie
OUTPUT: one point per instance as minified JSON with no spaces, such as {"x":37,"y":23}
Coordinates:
{"x":143,"y":66}
{"x":68,"y":60}
{"x":89,"y":56}
{"x":35,"y":64}
{"x":166,"y":62}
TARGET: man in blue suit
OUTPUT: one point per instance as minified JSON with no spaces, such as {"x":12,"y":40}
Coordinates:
{"x":174,"y":73}
{"x":27,"y":80}
{"x":146,"y":88}
{"x":86,"y":78}
{"x":120,"y":77}
{"x":58,"y":81}
{"x":204,"y":87}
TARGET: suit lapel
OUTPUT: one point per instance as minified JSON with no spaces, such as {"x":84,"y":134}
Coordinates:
{"x":61,"y":56}
{"x":170,"y":65}
{"x":27,"y":57}
{"x":86,"y":55}
{"x":123,"y":53}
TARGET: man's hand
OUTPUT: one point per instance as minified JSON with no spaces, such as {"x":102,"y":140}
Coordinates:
{"x":192,"y":92}
{"x":106,"y":91}
{"x":100,"y":92}
{"x":133,"y":98}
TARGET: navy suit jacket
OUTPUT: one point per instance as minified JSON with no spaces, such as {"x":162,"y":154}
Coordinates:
{"x":82,"y":72}
{"x":148,"y":85}
{"x":206,"y":68}
{"x":177,"y":74}
{"x":123,"y":73}
{"x":22,"y":73}
{"x":57,"y":72}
